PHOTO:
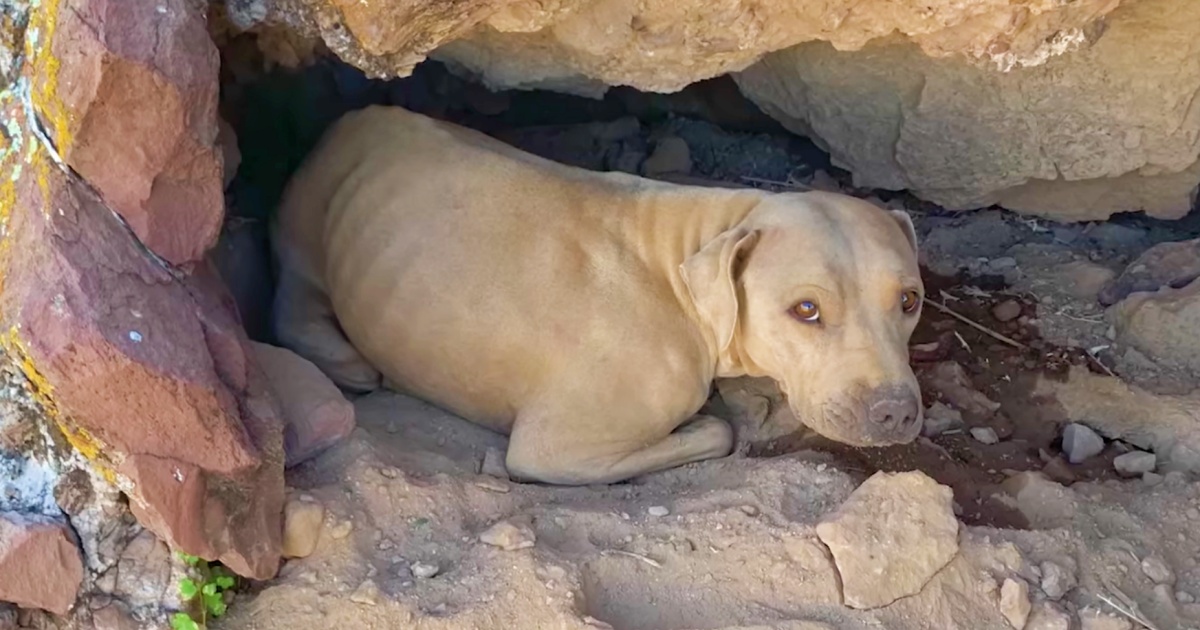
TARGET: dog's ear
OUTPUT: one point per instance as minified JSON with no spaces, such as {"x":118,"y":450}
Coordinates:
{"x":906,"y":225}
{"x":709,"y":276}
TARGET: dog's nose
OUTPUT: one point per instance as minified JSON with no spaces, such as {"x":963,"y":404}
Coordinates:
{"x":894,"y":409}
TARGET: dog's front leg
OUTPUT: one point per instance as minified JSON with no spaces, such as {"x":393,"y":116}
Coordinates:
{"x":569,"y":450}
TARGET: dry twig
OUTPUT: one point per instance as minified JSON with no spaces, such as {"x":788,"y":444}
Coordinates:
{"x":1133,"y":616}
{"x":977,"y":326}
{"x":636,"y":556}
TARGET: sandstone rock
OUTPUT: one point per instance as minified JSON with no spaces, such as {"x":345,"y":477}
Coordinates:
{"x":583,"y":45}
{"x":671,"y":156}
{"x":1134,"y":463}
{"x":508,"y":536}
{"x":890,"y":537}
{"x":143,"y":574}
{"x":493,"y":464}
{"x":1007,"y":310}
{"x":1056,"y":580}
{"x":40,"y":566}
{"x":939,"y":418}
{"x":1162,"y":325}
{"x":424,"y":570}
{"x":143,"y":371}
{"x":1165,"y":265}
{"x":1058,"y":470}
{"x":1048,"y":617}
{"x":1106,"y":128}
{"x":985,"y":435}
{"x":131,"y":104}
{"x":303,"y":518}
{"x":1166,"y":424}
{"x":1156,"y":569}
{"x":1014,"y":602}
{"x":1080,"y":442}
{"x":366,"y":594}
{"x":316,"y":415}
{"x":114,"y":616}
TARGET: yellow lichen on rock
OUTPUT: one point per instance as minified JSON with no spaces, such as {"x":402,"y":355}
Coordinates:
{"x":86,"y":444}
{"x":39,"y":49}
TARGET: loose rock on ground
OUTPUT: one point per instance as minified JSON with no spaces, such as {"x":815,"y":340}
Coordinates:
{"x":890,"y":537}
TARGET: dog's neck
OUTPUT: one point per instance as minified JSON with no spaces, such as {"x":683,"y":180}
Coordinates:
{"x":668,"y":227}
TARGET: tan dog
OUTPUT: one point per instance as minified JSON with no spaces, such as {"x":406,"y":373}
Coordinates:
{"x":586,"y":313}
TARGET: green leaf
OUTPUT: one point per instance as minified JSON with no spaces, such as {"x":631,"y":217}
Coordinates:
{"x":189,"y":559}
{"x":225,"y":582}
{"x":215,"y":605}
{"x":181,"y":621}
{"x":209,"y":589}
{"x":188,"y":588}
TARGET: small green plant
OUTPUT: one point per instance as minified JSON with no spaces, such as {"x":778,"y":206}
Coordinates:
{"x":204,"y":594}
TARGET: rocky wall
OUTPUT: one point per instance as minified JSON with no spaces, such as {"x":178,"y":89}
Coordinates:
{"x":1111,"y":127}
{"x":137,"y":371}
{"x":586,"y":45}
{"x":1069,"y":110}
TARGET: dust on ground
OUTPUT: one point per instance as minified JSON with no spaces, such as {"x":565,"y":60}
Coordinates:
{"x":731,"y":543}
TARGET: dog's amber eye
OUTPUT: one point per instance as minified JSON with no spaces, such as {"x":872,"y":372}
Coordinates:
{"x":910,"y":300}
{"x":807,"y":311}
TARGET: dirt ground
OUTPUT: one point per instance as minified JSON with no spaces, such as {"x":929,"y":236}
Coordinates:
{"x":731,"y":543}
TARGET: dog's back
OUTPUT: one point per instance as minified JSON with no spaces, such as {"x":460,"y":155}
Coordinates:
{"x":471,"y":273}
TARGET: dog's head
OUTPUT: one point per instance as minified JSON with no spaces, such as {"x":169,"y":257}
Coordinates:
{"x":820,"y":292}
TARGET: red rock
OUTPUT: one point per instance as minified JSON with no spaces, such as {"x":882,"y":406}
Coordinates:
{"x":133,"y":109}
{"x":146,"y":370}
{"x":316,"y":415}
{"x":40,"y":566}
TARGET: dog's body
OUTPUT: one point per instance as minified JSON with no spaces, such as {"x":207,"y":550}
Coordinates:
{"x":585,"y":313}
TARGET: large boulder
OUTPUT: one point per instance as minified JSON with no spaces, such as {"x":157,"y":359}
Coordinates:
{"x":128,"y":92}
{"x":39,"y":563}
{"x":1110,"y":127}
{"x":583,"y":46}
{"x":138,"y":365}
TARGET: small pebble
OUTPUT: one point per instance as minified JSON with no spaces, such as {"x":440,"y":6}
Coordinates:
{"x":939,"y":418}
{"x":341,"y":530}
{"x":657,"y":510}
{"x":985,"y":435}
{"x":749,"y":510}
{"x":1056,"y":580}
{"x":1157,"y":570}
{"x":389,"y":472}
{"x":1014,"y":602}
{"x":493,"y":464}
{"x":423,"y":570}
{"x":1152,"y":479}
{"x":508,"y":536}
{"x":1134,"y":463}
{"x":1184,"y":597}
{"x":1080,"y":443}
{"x":1007,"y":310}
{"x":1193,"y":514}
{"x":366,"y":594}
